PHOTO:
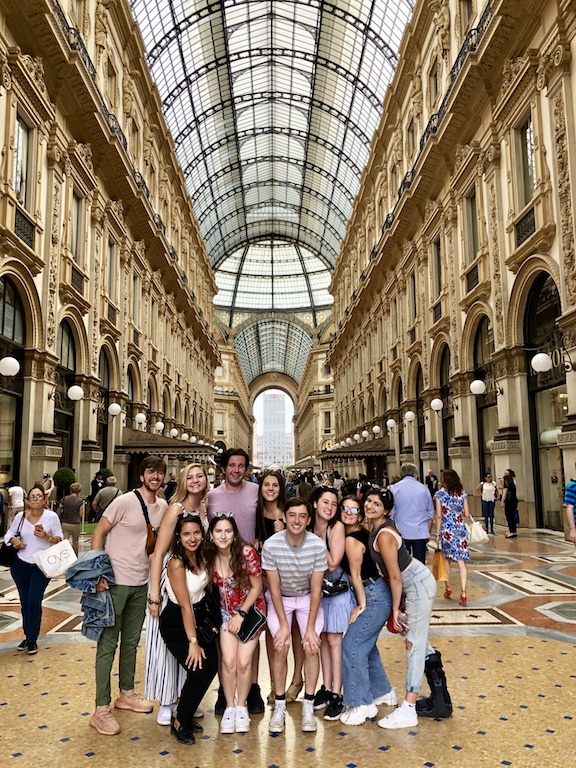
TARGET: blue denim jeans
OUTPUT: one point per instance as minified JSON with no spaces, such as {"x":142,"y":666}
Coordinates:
{"x":419,"y":587}
{"x":488,"y":512}
{"x":363,"y":674}
{"x":31,"y":584}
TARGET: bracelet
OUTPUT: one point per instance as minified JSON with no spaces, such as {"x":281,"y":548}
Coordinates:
{"x":242,"y":613}
{"x":154,"y":602}
{"x":192,"y":640}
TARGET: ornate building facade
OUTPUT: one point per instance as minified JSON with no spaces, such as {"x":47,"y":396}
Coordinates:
{"x":104,"y":279}
{"x":458,"y":264}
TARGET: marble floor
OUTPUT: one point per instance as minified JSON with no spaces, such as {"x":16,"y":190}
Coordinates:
{"x":509,"y":658}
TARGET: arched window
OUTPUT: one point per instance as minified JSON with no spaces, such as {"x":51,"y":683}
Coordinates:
{"x":12,"y":335}
{"x":446,"y":413}
{"x":11,"y":313}
{"x":66,"y":346}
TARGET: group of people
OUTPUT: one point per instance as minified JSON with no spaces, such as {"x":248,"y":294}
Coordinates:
{"x":320,"y":575}
{"x":237,"y":561}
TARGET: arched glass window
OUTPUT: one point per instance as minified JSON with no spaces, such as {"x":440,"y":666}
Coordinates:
{"x":447,"y":413}
{"x":11,"y":314}
{"x":104,"y":370}
{"x":66,"y":346}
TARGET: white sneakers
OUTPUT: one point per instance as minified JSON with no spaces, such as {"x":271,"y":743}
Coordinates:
{"x":308,"y":724}
{"x":400,"y":718}
{"x":389,"y":698}
{"x":358,"y":715}
{"x":242,"y":720}
{"x":277,"y":721}
{"x":164,"y":714}
{"x":228,"y":722}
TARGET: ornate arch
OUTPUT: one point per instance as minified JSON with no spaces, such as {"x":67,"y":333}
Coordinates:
{"x":166,"y":408}
{"x":33,"y":318}
{"x":134,"y":369}
{"x":178,"y":409}
{"x":412,"y":376}
{"x":382,"y":400}
{"x":477,"y":313}
{"x":154,"y":405}
{"x":74,"y":319}
{"x":109,"y":346}
{"x":369,"y":415}
{"x":527,"y":273}
{"x":441,"y":341}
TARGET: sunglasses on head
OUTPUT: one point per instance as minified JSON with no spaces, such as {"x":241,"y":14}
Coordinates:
{"x":189,"y":515}
{"x":224,"y":514}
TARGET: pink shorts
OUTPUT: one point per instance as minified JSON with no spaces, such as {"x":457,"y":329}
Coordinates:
{"x":293,"y":606}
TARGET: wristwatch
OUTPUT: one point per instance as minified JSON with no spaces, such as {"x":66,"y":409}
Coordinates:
{"x":242,"y":613}
{"x":192,"y":640}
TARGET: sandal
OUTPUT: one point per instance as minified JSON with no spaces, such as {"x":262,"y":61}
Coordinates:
{"x":293,"y":691}
{"x":447,"y":593}
{"x":463,"y":599}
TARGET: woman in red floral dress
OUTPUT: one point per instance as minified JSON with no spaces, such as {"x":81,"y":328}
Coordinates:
{"x":235,"y":567}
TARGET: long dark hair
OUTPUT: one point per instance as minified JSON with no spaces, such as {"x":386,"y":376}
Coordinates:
{"x":176,"y":547}
{"x":316,"y":496}
{"x":260,"y":527}
{"x":384,"y":494}
{"x":451,"y":482}
{"x":236,"y":552}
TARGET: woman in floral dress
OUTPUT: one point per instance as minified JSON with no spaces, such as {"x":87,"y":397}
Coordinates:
{"x":234,"y":566}
{"x":451,"y":504}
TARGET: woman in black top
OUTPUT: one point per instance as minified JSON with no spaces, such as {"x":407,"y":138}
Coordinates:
{"x":411,"y":581}
{"x":510,"y":502}
{"x":365,"y":682}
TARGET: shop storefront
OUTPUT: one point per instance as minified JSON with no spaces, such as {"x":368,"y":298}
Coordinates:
{"x":547,"y":399}
{"x":12,"y":338}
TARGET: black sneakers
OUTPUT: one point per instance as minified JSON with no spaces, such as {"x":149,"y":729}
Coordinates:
{"x":322,"y":698}
{"x":23,"y":646}
{"x":254,"y":701}
{"x":32,"y":649}
{"x":334,"y":708}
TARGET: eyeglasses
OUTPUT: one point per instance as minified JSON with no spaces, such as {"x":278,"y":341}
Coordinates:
{"x":35,"y":498}
{"x":351,"y":510}
{"x":224,"y":514}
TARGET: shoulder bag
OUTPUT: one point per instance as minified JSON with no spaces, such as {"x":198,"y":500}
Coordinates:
{"x":8,"y":553}
{"x":476,"y":534}
{"x":333,"y":583}
{"x":151,"y":532}
{"x":252,"y":622}
{"x":208,"y":617}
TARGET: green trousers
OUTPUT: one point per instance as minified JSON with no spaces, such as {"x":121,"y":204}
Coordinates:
{"x":130,"y":610}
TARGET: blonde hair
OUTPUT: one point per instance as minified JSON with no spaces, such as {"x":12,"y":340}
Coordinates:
{"x":180,"y":493}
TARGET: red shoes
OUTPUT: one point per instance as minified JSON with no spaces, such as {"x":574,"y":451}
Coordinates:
{"x":447,"y":593}
{"x":463,"y":599}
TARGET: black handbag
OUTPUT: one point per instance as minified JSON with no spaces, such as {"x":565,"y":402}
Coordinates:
{"x":9,"y":554}
{"x":331,"y":588}
{"x":208,"y":617}
{"x":251,"y":624}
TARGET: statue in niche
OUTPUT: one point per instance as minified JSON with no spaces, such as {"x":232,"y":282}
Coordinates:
{"x":442,"y":25}
{"x":101,"y":26}
{"x":417,"y":96}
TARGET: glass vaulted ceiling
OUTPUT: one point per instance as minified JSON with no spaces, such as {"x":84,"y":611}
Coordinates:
{"x":272,"y":107}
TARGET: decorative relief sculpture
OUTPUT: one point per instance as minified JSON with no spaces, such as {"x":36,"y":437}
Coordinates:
{"x":565,"y":197}
{"x":53,"y":268}
{"x":509,"y":72}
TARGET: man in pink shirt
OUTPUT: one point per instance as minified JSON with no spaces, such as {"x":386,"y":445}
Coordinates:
{"x":236,"y":495}
{"x":239,"y":497}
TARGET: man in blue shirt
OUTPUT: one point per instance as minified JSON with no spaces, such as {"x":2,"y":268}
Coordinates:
{"x":570,"y":501}
{"x":413,"y":511}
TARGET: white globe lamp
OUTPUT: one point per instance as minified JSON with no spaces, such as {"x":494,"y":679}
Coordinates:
{"x":159,"y":426}
{"x":114,"y":409}
{"x":409,"y":416}
{"x":436,"y":404}
{"x":477,"y":387}
{"x":75,"y":393}
{"x":542,"y":363}
{"x":9,"y":366}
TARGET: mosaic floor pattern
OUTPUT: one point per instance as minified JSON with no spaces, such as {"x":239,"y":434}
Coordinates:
{"x":509,"y":658}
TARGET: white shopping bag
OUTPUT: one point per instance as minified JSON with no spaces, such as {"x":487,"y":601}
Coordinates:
{"x":55,"y":560}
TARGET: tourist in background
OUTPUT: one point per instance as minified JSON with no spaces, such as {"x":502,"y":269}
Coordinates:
{"x":71,"y":511}
{"x":451,"y":533}
{"x":488,"y":490}
{"x":510,"y":502}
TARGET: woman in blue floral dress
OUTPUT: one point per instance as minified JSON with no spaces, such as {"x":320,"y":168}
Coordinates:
{"x":451,"y":504}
